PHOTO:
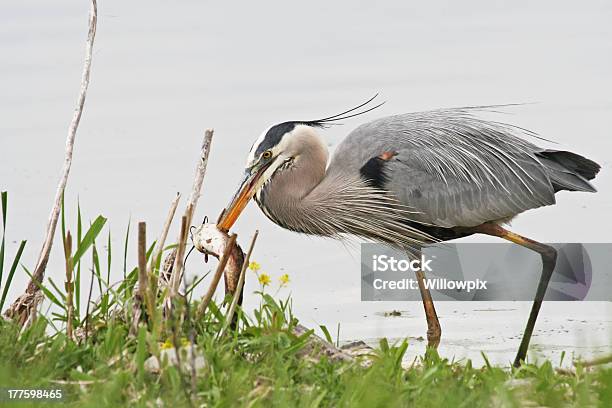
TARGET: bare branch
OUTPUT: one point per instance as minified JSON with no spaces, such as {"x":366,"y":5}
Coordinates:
{"x":15,"y":311}
{"x":142,"y":260}
{"x":159,"y":247}
{"x":177,"y":272}
{"x":215,"y":281}
{"x":199,"y":177}
{"x":177,"y":269}
{"x":163,"y":278}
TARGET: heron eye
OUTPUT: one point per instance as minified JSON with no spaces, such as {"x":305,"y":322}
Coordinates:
{"x":267,"y":154}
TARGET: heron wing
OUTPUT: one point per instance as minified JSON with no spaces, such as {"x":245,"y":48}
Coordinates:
{"x":451,"y":167}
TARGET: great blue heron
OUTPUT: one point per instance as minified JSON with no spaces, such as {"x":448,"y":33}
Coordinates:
{"x":408,"y":180}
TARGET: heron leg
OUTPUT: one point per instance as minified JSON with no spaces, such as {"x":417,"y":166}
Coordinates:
{"x":433,"y":325}
{"x":549,"y":260}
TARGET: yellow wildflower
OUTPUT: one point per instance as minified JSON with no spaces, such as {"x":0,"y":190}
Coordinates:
{"x":254,"y":266}
{"x":284,"y":279}
{"x":264,"y":279}
{"x":168,"y":344}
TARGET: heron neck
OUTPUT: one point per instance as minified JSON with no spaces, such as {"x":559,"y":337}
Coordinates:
{"x":311,"y":198}
{"x":293,"y":193}
{"x":293,"y":200}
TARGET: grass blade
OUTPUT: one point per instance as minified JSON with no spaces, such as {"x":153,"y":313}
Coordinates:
{"x":195,"y":284}
{"x":57,"y":289}
{"x":4,"y":208}
{"x":45,"y":290}
{"x":79,"y":222}
{"x":11,"y":273}
{"x":108,"y":258}
{"x":96,"y":266}
{"x":150,"y":251}
{"x":89,"y":237}
{"x":77,"y":278}
{"x":125,"y":249}
{"x":327,"y":334}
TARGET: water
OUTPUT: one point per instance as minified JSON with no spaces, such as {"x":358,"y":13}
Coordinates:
{"x":164,"y":72}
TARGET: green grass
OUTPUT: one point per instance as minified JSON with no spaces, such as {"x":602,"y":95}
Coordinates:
{"x":260,"y":362}
{"x":261,"y":365}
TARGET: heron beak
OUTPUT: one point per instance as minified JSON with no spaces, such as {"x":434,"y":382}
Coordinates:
{"x":246,"y":191}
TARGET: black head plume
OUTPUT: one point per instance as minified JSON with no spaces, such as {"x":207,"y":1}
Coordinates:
{"x":275,"y":134}
{"x":351,"y":113}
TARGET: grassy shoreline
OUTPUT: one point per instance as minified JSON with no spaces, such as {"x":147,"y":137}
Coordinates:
{"x":111,"y":356}
{"x":263,"y":363}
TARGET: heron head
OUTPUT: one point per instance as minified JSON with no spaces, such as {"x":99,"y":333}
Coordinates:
{"x":274,"y":151}
{"x":281,"y":147}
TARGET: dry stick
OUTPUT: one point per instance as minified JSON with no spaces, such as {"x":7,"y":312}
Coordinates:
{"x":159,"y":248}
{"x":191,"y":204}
{"x":139,"y":296}
{"x":176,"y":271}
{"x":200,"y":173}
{"x":16,"y":310}
{"x":215,"y":281}
{"x":69,"y":285}
{"x":178,"y":262}
{"x":143,"y":273}
{"x":245,"y":264}
{"x":142,"y":260}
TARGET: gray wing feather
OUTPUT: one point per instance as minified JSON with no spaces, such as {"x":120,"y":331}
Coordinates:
{"x":452,"y":168}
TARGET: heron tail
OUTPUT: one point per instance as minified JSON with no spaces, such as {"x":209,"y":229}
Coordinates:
{"x":569,"y":171}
